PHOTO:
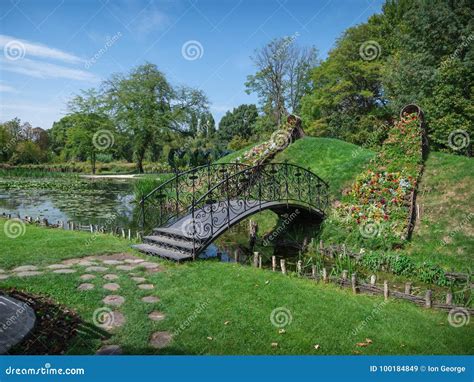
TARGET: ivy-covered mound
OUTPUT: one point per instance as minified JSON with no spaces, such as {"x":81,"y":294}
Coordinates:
{"x":375,"y":212}
{"x":279,"y":141}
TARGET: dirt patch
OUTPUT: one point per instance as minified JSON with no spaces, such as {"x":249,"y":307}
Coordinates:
{"x":55,"y":328}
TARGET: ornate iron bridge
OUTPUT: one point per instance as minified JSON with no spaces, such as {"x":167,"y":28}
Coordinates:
{"x":186,"y":213}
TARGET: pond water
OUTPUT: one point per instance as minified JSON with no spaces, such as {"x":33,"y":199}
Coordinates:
{"x":94,"y":204}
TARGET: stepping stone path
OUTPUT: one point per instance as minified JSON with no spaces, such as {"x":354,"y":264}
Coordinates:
{"x":125,"y":267}
{"x":146,"y":286}
{"x":112,"y":262}
{"x":85,"y":286}
{"x":28,"y":273}
{"x":109,"y":350}
{"x":117,"y":320}
{"x":58,"y":266}
{"x":150,"y":299}
{"x":110,"y":277}
{"x":96,"y":269}
{"x":134,"y":261}
{"x":25,"y":268}
{"x":149,"y":265}
{"x":139,"y":279}
{"x":87,"y":277}
{"x":64,"y":271}
{"x":159,"y":340}
{"x":113,"y":300}
{"x":86,"y":263}
{"x":4,"y":277}
{"x":111,"y":286}
{"x":156,"y":316}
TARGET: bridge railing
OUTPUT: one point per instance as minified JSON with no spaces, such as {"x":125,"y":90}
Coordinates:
{"x":259,"y":187}
{"x":173,"y":198}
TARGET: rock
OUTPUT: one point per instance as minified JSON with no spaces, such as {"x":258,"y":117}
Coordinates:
{"x":86,"y":263}
{"x":150,"y":299}
{"x":109,"y":350}
{"x":87,"y":277}
{"x":85,"y":286}
{"x":58,"y":266}
{"x":2,"y":271}
{"x":146,"y":286}
{"x":125,"y":267}
{"x":139,"y":279}
{"x":112,"y":262}
{"x":64,"y":271}
{"x":149,"y":265}
{"x":117,"y":320}
{"x":25,"y":268}
{"x":110,"y":277}
{"x":156,"y":316}
{"x":111,"y":286}
{"x":160,"y":340}
{"x":114,"y":300}
{"x":4,"y":277}
{"x":134,"y":261}
{"x":28,"y":273}
{"x":96,"y":269}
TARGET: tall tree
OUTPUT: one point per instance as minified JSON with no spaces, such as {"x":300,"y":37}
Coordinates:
{"x":282,"y":77}
{"x":238,"y":122}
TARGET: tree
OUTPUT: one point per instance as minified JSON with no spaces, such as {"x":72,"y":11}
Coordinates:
{"x":283,"y":76}
{"x":238,"y":122}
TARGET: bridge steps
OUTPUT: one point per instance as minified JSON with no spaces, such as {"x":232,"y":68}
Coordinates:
{"x":166,"y":253}
{"x":181,"y":245}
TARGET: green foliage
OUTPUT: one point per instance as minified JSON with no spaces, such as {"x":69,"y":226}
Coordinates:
{"x":238,"y":125}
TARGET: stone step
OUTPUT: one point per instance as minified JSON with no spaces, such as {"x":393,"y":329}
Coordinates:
{"x":169,"y":242}
{"x":175,"y":233}
{"x":162,"y":252}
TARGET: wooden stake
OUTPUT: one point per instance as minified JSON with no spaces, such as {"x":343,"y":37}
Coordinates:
{"x":325,"y":275}
{"x":449,"y":298}
{"x":428,"y":301}
{"x":299,"y":267}
{"x":255,"y":259}
{"x":129,"y":234}
{"x":313,"y":271}
{"x":408,"y":288}
{"x":283,"y":266}
{"x":344,"y":274}
{"x":236,"y":256}
{"x":260,"y":261}
{"x":274,"y":263}
{"x":386,"y":292}
{"x":354,"y":283}
{"x":373,"y":279}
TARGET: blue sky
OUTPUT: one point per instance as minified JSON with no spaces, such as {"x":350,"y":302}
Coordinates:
{"x":53,"y":48}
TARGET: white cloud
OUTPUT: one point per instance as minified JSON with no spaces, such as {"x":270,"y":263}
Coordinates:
{"x":149,"y":21}
{"x":37,"y":50}
{"x":39,"y":69}
{"x":7,"y":89}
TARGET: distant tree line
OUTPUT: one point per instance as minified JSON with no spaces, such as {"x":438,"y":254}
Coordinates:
{"x":415,"y":51}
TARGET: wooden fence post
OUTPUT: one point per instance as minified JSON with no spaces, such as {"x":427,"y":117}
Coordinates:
{"x":260,"y":261}
{"x":129,"y":234}
{"x":313,"y":271}
{"x":386,"y":292}
{"x":373,"y":279}
{"x":408,"y":288}
{"x":123,"y":233}
{"x":344,"y":274}
{"x":283,"y":266}
{"x":274,"y":263}
{"x":321,"y":247}
{"x":255,"y":259}
{"x":299,"y":267}
{"x":325,"y":275}
{"x":428,"y":302}
{"x":236,"y":256}
{"x":354,"y":283}
{"x":449,"y":298}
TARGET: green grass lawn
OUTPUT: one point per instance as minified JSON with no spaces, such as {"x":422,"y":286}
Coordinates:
{"x":236,"y":304}
{"x":445,"y":234}
{"x":337,"y":162}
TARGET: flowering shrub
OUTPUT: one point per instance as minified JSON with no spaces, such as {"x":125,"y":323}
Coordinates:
{"x":377,"y":206}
